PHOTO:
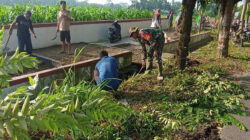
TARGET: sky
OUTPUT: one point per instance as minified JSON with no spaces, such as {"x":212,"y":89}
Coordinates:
{"x":114,"y":1}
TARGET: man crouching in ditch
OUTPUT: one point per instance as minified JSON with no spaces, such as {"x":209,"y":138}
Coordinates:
{"x":106,"y":72}
{"x":155,"y":39}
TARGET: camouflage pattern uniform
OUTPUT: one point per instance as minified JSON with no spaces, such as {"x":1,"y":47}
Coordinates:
{"x":154,"y":38}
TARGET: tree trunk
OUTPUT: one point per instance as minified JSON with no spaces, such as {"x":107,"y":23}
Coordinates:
{"x":186,"y":26}
{"x":243,"y":15}
{"x":224,"y":27}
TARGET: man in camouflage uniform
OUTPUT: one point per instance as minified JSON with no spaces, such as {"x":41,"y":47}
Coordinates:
{"x":154,"y":38}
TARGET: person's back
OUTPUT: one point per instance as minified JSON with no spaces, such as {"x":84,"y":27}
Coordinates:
{"x":178,"y":22}
{"x":107,"y":68}
{"x":117,"y":28}
{"x":156,"y":21}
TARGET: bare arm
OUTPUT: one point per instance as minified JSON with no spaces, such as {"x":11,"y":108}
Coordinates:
{"x":58,"y":22}
{"x":69,"y":16}
{"x":32,"y":30}
{"x":95,"y":75}
{"x":160,"y":19}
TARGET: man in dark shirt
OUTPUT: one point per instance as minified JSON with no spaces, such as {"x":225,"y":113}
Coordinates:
{"x":170,"y":18}
{"x":24,"y":24}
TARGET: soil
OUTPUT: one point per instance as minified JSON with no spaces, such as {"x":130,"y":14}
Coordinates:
{"x":41,"y":66}
{"x":136,"y":50}
{"x":203,"y":133}
{"x":90,"y":51}
{"x":172,"y":35}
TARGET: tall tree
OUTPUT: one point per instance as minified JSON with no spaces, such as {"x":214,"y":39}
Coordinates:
{"x":226,"y":12}
{"x":186,"y":25}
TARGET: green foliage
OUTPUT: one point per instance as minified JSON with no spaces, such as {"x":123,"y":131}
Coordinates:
{"x":75,"y":111}
{"x":202,"y":99}
{"x":48,"y":14}
{"x":186,"y":100}
{"x":247,"y":14}
{"x":142,"y":125}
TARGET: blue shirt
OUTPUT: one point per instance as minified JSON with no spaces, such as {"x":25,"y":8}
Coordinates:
{"x":108,"y":72}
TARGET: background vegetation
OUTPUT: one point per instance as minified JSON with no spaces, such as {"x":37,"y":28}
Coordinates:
{"x":48,"y":14}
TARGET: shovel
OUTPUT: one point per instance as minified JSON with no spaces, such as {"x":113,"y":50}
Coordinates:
{"x":142,"y":67}
{"x":5,"y":48}
{"x":54,"y":38}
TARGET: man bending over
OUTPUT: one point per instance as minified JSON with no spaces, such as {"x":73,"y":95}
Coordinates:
{"x":106,"y":72}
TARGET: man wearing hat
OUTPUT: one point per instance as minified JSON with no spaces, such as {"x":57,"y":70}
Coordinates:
{"x":154,"y":38}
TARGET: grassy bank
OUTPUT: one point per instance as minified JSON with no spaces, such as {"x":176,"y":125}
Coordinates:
{"x":189,"y":103}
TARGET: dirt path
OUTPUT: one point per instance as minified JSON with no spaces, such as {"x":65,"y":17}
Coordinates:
{"x":232,"y":132}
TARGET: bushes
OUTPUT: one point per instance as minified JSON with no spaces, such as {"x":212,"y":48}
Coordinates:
{"x":68,"y":111}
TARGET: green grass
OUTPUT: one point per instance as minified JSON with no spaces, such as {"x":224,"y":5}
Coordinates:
{"x":237,"y":62}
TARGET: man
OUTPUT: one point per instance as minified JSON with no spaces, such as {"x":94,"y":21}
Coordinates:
{"x":106,"y":72}
{"x":199,"y":23}
{"x":170,"y":18}
{"x":178,"y":20}
{"x":155,"y":39}
{"x":24,"y":24}
{"x":214,"y":23}
{"x":117,"y":28}
{"x":156,"y":21}
{"x":63,"y":25}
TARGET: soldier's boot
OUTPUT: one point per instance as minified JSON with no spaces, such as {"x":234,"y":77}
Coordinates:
{"x":149,"y":66}
{"x":160,"y":69}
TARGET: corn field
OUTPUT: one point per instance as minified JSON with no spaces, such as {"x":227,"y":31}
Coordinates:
{"x":48,"y":14}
